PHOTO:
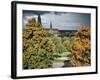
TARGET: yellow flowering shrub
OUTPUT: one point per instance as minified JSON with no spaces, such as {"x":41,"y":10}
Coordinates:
{"x":38,"y":49}
{"x":81,"y":49}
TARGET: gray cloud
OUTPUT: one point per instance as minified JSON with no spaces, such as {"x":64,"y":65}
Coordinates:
{"x":61,"y":20}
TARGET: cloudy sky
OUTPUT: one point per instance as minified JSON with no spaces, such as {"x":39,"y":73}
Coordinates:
{"x":60,"y":20}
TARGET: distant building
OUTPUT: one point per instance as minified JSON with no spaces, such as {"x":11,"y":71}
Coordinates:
{"x":50,"y":25}
{"x":53,"y":31}
{"x":39,"y":19}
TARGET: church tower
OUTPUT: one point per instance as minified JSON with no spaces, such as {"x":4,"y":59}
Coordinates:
{"x":39,"y":18}
{"x":50,"y":25}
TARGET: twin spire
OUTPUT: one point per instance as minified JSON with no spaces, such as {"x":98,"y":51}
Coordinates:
{"x":39,"y":20}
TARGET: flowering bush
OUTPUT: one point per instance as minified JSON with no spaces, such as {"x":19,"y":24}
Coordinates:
{"x":38,"y":49}
{"x":81,"y":48}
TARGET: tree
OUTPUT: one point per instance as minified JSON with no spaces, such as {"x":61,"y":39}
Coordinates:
{"x":67,"y":42}
{"x":38,"y":49}
{"x":81,"y":49}
{"x":59,"y":47}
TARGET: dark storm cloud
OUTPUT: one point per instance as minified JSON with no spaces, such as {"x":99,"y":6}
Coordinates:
{"x":60,"y":20}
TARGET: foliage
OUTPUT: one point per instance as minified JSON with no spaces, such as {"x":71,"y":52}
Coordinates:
{"x":38,"y":49}
{"x":83,"y":32}
{"x":68,"y":42}
{"x":81,"y":48}
{"x":59,"y":48}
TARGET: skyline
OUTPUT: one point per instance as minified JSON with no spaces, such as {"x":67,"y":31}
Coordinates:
{"x":59,"y":20}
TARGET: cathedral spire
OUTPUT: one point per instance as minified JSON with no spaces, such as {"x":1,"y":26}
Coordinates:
{"x":50,"y":25}
{"x":39,"y":18}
